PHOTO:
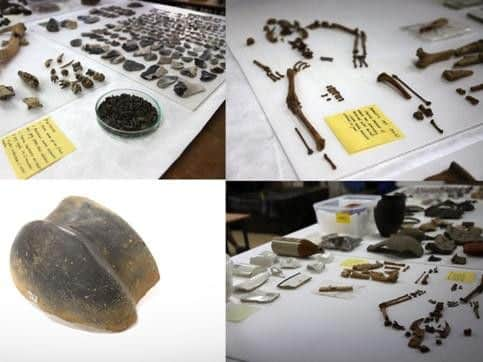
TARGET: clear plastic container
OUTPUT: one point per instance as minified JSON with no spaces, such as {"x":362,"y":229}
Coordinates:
{"x":351,"y":215}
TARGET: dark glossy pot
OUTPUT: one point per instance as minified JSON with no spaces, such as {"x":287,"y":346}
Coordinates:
{"x":389,"y":213}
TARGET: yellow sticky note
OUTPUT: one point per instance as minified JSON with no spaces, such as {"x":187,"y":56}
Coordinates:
{"x":35,"y":147}
{"x":342,"y":218}
{"x":363,"y":128}
{"x":352,"y":261}
{"x":461,"y":276}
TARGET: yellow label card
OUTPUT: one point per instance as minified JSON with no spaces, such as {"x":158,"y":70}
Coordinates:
{"x":363,"y":128}
{"x":35,"y":147}
{"x":342,"y":218}
{"x":461,"y":276}
{"x":352,"y":261}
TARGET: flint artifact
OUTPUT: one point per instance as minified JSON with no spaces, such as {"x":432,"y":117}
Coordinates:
{"x":84,"y":265}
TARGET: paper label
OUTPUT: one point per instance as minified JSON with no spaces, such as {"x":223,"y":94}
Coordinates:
{"x":348,"y":263}
{"x":461,"y":276}
{"x":363,"y":128}
{"x":342,"y":218}
{"x":35,"y":147}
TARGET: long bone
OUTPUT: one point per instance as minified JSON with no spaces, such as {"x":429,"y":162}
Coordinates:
{"x":295,"y":106}
{"x":474,"y":47}
{"x":469,"y":60}
{"x":474,"y":292}
{"x":426,"y":59}
{"x":386,"y":78}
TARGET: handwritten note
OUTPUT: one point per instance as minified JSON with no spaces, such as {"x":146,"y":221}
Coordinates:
{"x":461,"y":276}
{"x":348,"y":263}
{"x":35,"y":147}
{"x":363,"y":128}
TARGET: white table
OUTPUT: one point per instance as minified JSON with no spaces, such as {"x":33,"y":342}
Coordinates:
{"x":260,"y":146}
{"x":99,"y":155}
{"x":302,"y":326}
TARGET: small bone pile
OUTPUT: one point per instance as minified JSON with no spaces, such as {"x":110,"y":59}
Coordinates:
{"x":81,"y":80}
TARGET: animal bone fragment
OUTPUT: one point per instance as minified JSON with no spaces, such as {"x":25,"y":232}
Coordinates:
{"x":469,"y":60}
{"x":476,"y":88}
{"x":426,"y":59}
{"x":474,"y":47}
{"x":472,"y":100}
{"x":293,"y":103}
{"x":474,"y":292}
{"x":452,"y":75}
{"x":386,"y":78}
{"x":434,"y":25}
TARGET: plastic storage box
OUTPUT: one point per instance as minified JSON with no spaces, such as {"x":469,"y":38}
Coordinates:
{"x":351,"y":215}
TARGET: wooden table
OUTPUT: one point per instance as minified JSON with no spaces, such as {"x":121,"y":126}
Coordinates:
{"x":205,"y":156}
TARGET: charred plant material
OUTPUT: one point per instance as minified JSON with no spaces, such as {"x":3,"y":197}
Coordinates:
{"x":474,"y":292}
{"x":436,"y":127}
{"x":309,"y":150}
{"x":426,"y":102}
{"x":426,"y":59}
{"x":331,"y":163}
{"x":295,"y":106}
{"x":474,"y":101}
{"x":29,"y":79}
{"x":250,"y":41}
{"x":460,"y":91}
{"x":476,"y":88}
{"x":467,"y":332}
{"x":326,"y":59}
{"x":387,"y":79}
{"x":12,"y":46}
{"x":469,"y":60}
{"x":452,"y":75}
{"x":434,"y":25}
{"x":268,"y":71}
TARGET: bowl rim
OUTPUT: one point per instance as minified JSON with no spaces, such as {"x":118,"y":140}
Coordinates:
{"x":147,"y":97}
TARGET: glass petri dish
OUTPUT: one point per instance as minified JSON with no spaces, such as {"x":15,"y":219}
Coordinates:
{"x":125,"y":133}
